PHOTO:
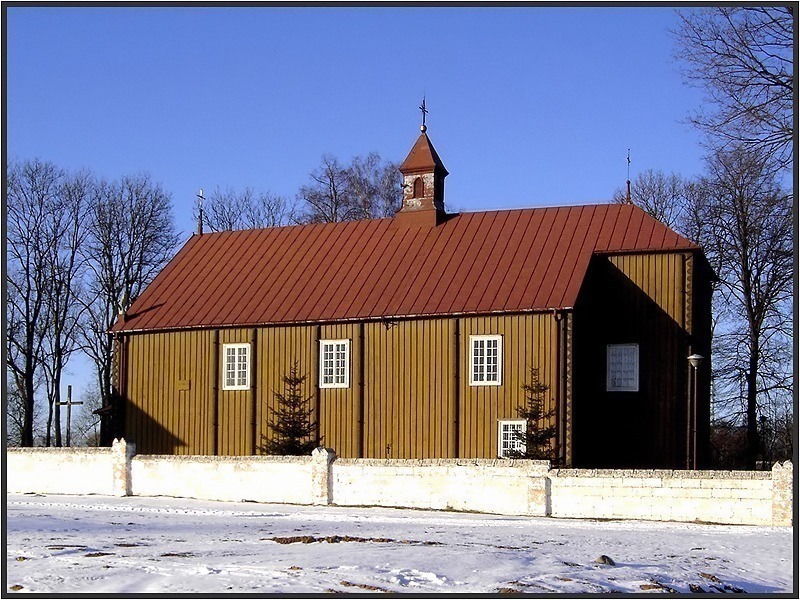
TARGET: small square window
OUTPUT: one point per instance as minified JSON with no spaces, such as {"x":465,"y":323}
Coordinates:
{"x":334,"y":363}
{"x":509,"y":437}
{"x":485,"y":359}
{"x":236,"y":366}
{"x":622,"y":368}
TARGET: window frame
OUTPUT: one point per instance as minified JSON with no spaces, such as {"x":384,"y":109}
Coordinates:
{"x":500,"y":424}
{"x":485,"y":337}
{"x":236,"y":386}
{"x":631,"y":388}
{"x":334,"y":385}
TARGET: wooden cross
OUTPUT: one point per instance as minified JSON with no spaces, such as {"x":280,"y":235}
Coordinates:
{"x":69,"y":404}
{"x":424,"y":112}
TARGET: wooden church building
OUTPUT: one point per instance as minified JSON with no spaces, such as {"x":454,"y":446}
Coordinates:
{"x":417,"y":333}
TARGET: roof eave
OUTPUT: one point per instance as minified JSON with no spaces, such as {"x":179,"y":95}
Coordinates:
{"x":377,"y":319}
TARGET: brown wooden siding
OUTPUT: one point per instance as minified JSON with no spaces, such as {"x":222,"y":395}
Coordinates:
{"x":633,"y":299}
{"x":409,"y":386}
{"x":337,"y":405}
{"x":659,"y":276}
{"x":169,"y":392}
{"x":280,"y":348}
{"x":528,"y":341}
{"x":408,"y":389}
{"x":235,"y":407}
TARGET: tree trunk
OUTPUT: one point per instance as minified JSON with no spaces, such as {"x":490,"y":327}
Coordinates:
{"x":27,"y":432}
{"x":752,"y":420}
{"x":48,"y":432}
{"x":58,"y":359}
{"x":57,"y":405}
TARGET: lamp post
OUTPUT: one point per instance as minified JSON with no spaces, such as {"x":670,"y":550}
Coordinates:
{"x":691,"y":416}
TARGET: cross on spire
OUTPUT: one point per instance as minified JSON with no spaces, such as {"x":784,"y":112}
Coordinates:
{"x":424,"y":110}
{"x":628,"y":182}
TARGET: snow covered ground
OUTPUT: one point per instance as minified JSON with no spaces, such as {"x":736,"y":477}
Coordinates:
{"x":96,"y":544}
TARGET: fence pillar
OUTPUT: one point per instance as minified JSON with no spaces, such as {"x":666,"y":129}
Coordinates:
{"x":782,"y":479}
{"x":539,"y":495}
{"x":322,"y":475}
{"x":121,"y":454}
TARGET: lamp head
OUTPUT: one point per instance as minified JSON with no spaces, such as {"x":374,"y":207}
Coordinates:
{"x":695,"y":360}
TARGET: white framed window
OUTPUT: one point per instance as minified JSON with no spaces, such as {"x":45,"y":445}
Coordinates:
{"x":508,"y":436}
{"x":236,"y":366}
{"x":622,"y":368}
{"x":334,"y":363}
{"x":485,"y":359}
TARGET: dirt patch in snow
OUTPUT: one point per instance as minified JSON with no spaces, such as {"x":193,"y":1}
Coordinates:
{"x":363,"y":586}
{"x":336,"y":539}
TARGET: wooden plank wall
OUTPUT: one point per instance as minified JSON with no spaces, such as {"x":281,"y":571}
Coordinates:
{"x":632,"y":299}
{"x":170,"y":392}
{"x":408,"y":391}
{"x":409,"y":387}
{"x":528,"y":341}
{"x":660,"y":277}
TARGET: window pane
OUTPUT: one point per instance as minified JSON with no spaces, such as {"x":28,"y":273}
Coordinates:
{"x":623,"y":367}
{"x":510,"y":439}
{"x":491,"y":360}
{"x":478,"y":360}
{"x":241,"y":375}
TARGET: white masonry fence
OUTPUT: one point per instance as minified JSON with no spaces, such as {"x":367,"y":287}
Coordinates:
{"x":502,"y":486}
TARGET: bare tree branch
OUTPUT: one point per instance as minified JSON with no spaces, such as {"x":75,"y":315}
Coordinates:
{"x":742,"y":57}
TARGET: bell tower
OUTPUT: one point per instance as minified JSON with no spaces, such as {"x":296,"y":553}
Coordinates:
{"x":423,"y":183}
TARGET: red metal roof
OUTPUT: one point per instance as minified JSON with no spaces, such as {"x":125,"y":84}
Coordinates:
{"x":497,"y":261}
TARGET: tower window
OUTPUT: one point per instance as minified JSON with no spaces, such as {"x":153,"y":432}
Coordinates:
{"x":419,"y":187}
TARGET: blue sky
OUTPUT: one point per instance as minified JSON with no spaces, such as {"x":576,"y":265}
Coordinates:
{"x":528,"y":105}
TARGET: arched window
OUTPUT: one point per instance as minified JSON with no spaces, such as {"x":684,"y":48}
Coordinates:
{"x":419,"y":188}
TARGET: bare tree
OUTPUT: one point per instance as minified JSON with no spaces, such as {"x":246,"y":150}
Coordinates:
{"x":743,"y":57}
{"x":662,"y":196}
{"x":15,"y":416}
{"x":374,"y":187}
{"x":366,"y":188}
{"x":750,"y":241}
{"x":227,"y":210}
{"x":130,"y":238}
{"x":327,"y":198}
{"x":32,"y":188}
{"x":65,"y":230}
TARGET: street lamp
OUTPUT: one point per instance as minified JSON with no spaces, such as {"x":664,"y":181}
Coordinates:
{"x":691,"y":416}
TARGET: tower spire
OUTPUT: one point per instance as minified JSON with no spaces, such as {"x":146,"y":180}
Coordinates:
{"x":423,"y":183}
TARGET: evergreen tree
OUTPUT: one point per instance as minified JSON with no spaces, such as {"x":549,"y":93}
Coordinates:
{"x":291,"y":422}
{"x":535,"y":440}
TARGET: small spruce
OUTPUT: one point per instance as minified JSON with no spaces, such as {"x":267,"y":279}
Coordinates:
{"x":292,"y":425}
{"x":535,"y":440}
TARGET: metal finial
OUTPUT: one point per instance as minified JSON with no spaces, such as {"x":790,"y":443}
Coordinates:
{"x":424,"y":110}
{"x":628,"y":182}
{"x":629,"y":163}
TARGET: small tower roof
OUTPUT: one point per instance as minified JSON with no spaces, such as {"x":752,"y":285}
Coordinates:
{"x":422,"y":157}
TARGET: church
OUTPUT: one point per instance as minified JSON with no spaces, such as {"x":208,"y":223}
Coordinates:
{"x":417,"y":333}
